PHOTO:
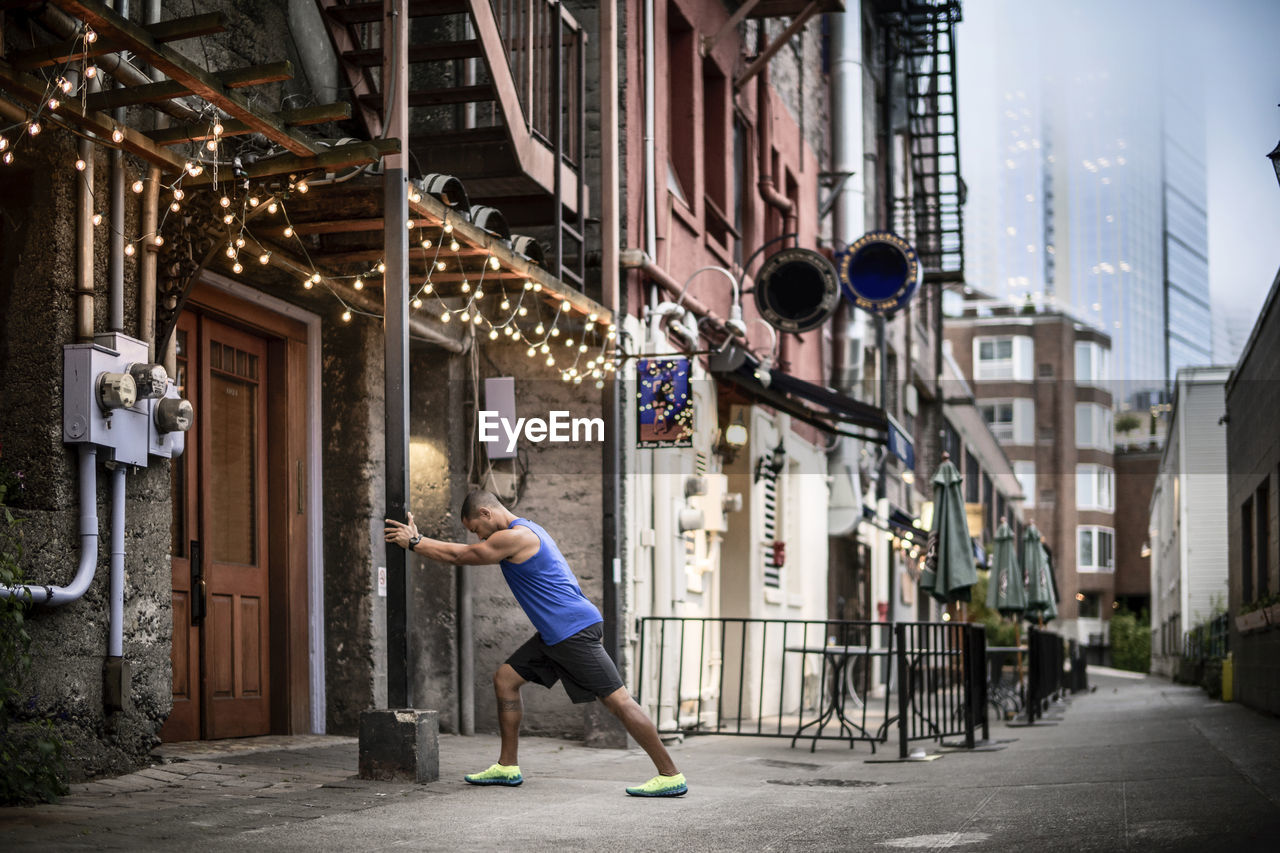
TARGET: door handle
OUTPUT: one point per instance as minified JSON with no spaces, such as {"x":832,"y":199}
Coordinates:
{"x":198,"y":585}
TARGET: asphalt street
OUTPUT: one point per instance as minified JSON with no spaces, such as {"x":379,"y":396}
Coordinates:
{"x":1139,"y":764}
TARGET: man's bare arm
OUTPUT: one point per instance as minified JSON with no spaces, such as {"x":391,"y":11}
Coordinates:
{"x":496,"y":548}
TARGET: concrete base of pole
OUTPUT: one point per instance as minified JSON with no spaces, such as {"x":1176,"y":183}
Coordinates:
{"x":400,"y":744}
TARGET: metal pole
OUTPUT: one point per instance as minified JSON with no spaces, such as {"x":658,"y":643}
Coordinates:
{"x":395,"y":74}
{"x":466,"y":654}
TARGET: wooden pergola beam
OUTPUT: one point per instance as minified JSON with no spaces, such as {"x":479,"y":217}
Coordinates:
{"x":234,"y":127}
{"x":162,"y":32}
{"x":338,"y":157}
{"x":32,"y":90}
{"x":164,"y":90}
{"x":109,"y":23}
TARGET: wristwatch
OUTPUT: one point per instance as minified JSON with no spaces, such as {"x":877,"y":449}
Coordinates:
{"x":413,"y":543}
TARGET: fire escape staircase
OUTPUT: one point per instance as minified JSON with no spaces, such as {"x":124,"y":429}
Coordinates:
{"x":935,"y":208}
{"x":496,"y":99}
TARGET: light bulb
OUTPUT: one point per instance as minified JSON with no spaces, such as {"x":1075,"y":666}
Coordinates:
{"x":544,"y":349}
{"x":224,"y":201}
{"x":528,"y":285}
{"x":212,"y":145}
{"x":596,"y":374}
{"x":231,"y":250}
{"x":315,"y":278}
{"x":599,"y":383}
{"x":4,"y":142}
{"x":253,"y":201}
{"x":523,"y":312}
{"x":453,"y":246}
{"x":217,"y":128}
{"x":466,"y":287}
{"x":178,"y":193}
{"x":448,"y":228}
{"x":54,"y":103}
{"x":128,"y":249}
{"x":444,"y":318}
{"x":415,"y":197}
{"x":417,"y":302}
{"x":382,"y":267}
{"x":288,"y":231}
{"x":426,"y":244}
{"x":228,"y":219}
{"x":440,"y":265}
{"x":479,"y":293}
{"x":465,"y":317}
{"x":593,"y":316}
{"x":97,"y":219}
{"x":175,"y":207}
{"x":81,"y":165}
{"x":90,"y":36}
{"x":537,"y":287}
{"x":505,"y":305}
{"x":137,"y":186}
{"x":478,"y":317}
{"x":582,"y":348}
{"x":264,"y":258}
{"x":91,"y":71}
{"x":555,"y":331}
{"x":613,"y":327}
{"x":494,"y":263}
{"x":308,"y":284}
{"x":302,"y":187}
{"x":359,"y":284}
{"x":530,"y":352}
{"x":539,"y":329}
{"x":551,"y":360}
{"x":427,"y":288}
{"x":196,"y":171}
{"x":346,"y":316}
{"x":159,"y":241}
{"x":239,"y":242}
{"x":565,"y":376}
{"x":34,"y":128}
{"x":236,"y":267}
{"x":493,"y":334}
{"x":65,"y":85}
{"x":409,"y":224}
{"x":568,"y":342}
{"x":273,"y":207}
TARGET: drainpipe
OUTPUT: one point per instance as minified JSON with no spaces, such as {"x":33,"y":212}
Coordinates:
{"x":84,"y":243}
{"x":764,"y":155}
{"x":650,"y":156}
{"x":115,"y":272}
{"x":56,"y":595}
{"x":611,"y":243}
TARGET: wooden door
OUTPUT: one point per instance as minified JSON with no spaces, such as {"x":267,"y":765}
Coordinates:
{"x":233,"y":521}
{"x":221,"y":578}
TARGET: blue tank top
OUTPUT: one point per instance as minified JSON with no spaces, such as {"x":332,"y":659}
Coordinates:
{"x":548,"y":592}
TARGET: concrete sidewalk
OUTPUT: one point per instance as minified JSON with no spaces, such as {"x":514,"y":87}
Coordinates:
{"x":1138,"y":765}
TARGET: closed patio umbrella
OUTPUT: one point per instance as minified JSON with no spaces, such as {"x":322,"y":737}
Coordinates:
{"x":1035,"y":565}
{"x":1050,"y":582}
{"x":949,"y":573}
{"x":1006,"y":591}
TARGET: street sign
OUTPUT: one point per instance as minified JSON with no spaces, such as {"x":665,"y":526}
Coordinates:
{"x":879,"y":272}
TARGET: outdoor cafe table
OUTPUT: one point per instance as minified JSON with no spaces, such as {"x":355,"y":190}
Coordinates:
{"x":834,"y":702}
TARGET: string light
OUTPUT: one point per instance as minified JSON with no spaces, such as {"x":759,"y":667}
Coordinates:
{"x":54,"y":103}
{"x":448,"y":227}
{"x":81,"y":165}
{"x":117,"y":135}
{"x":89,"y":35}
{"x":426,"y":244}
{"x":453,"y":246}
{"x":288,"y":231}
{"x":505,"y":305}
{"x":137,"y":186}
{"x":308,"y":284}
{"x":359,"y":284}
{"x":231,"y":250}
{"x":440,"y":265}
{"x":494,"y":263}
{"x":416,"y":302}
{"x":4,"y":142}
{"x":159,"y":241}
{"x":178,"y":194}
{"x":237,"y":268}
{"x":97,"y":219}
{"x":212,"y":145}
{"x":224,"y":201}
{"x":302,"y":188}
{"x":239,"y":242}
{"x":493,"y":334}
{"x":528,"y":285}
{"x":34,"y":128}
{"x":8,"y":157}
{"x":479,"y":293}
{"x":466,"y":286}
{"x":254,"y":201}
{"x":91,"y":71}
{"x":128,"y":249}
{"x":65,"y":85}
{"x":228,"y":219}
{"x":382,"y":267}
{"x":217,"y":128}
{"x":346,"y":316}
{"x":264,"y":258}
{"x":273,"y":207}
{"x":465,"y":317}
{"x":444,"y":318}
{"x":530,"y":352}
{"x":477,"y":318}
{"x":175,"y":207}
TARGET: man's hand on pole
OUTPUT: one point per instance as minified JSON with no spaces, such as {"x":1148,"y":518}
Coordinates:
{"x":401,"y":533}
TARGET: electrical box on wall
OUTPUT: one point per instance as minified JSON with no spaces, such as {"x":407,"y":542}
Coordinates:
{"x":114,"y":398}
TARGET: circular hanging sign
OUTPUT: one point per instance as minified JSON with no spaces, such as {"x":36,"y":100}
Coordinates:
{"x":796,"y":290}
{"x":880,"y":272}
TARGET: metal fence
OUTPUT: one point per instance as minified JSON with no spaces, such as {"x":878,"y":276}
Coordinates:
{"x":814,"y":679}
{"x":1056,"y":667}
{"x":1208,"y":640}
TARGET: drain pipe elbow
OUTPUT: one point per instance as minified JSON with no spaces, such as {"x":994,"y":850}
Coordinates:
{"x":57,"y":595}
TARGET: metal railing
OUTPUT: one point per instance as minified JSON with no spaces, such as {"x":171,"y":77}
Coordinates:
{"x":814,"y":679}
{"x":1055,"y":668}
{"x":1208,"y":640}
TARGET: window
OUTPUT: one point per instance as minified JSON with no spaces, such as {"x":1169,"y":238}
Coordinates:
{"x":999,"y":416}
{"x":715,"y":163}
{"x":1263,"y":528}
{"x":680,"y":115}
{"x":1246,"y":551}
{"x":1004,"y":357}
{"x":1011,"y":421}
{"x":1089,"y":604}
{"x":1095,"y":488}
{"x":1093,"y":363}
{"x":1094,"y":427}
{"x":1096,"y":549}
{"x":1026,"y":474}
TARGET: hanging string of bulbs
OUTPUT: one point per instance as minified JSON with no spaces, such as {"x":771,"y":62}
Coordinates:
{"x":241,"y":204}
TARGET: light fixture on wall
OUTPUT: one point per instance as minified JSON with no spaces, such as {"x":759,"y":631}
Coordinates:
{"x":733,"y":438}
{"x":1146,"y":550}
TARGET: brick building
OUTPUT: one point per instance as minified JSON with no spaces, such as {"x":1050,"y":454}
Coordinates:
{"x":1041,"y":379}
{"x":1253,"y":505}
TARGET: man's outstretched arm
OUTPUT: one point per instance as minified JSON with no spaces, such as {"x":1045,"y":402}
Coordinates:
{"x":496,"y":548}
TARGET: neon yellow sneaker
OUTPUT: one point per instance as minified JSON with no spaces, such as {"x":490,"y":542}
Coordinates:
{"x":661,"y":786}
{"x":497,"y":774}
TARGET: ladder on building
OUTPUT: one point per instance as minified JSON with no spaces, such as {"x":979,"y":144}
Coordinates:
{"x":497,"y":96}
{"x":934,"y":209}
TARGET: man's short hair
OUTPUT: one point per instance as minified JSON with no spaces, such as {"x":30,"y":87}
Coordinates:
{"x":476,"y":499}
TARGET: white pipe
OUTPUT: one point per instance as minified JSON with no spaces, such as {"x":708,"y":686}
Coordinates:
{"x":848,"y":155}
{"x":650,"y":157}
{"x":115,"y":625}
{"x":56,"y":595}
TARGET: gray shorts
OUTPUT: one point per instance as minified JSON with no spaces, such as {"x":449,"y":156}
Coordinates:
{"x":579,"y":661}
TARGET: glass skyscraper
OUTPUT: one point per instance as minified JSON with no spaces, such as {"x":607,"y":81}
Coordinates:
{"x":1085,"y":166}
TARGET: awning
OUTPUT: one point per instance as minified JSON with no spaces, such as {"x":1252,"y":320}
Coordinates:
{"x":816,"y":405}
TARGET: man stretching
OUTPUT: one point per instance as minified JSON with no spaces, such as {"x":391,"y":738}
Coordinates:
{"x":567,"y":646}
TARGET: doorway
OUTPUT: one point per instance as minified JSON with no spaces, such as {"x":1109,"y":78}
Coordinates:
{"x":238,"y":540}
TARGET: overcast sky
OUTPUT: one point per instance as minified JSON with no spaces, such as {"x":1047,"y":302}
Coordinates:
{"x":1233,"y":46}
